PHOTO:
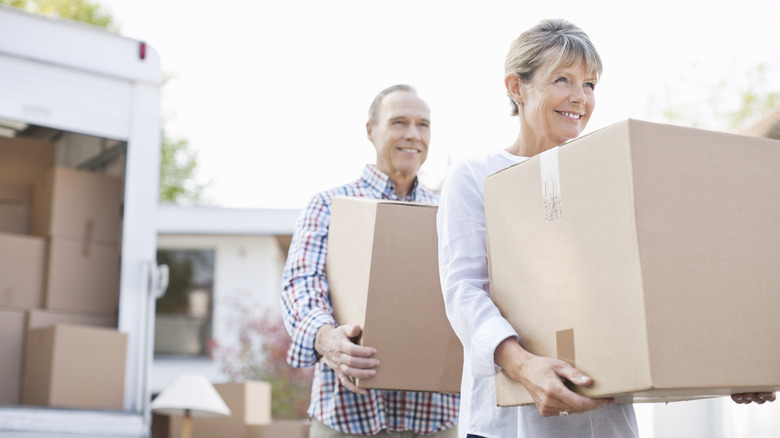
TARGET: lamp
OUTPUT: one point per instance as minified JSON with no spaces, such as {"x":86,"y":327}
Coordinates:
{"x":190,"y":395}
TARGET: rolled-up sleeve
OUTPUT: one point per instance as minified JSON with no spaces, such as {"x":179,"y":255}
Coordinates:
{"x":463,"y":268}
{"x":305,"y":303}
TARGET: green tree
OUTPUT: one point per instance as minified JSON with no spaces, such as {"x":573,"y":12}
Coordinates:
{"x":723,"y":106}
{"x":85,"y":11}
{"x":179,"y":162}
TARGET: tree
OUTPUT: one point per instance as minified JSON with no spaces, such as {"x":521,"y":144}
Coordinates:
{"x":722,"y":106}
{"x":179,"y":162}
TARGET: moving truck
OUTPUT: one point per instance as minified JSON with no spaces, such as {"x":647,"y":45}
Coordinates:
{"x":75,"y":99}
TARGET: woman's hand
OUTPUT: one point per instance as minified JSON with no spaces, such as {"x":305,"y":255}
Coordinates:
{"x":753,"y":397}
{"x":348,"y":360}
{"x":545,"y":378}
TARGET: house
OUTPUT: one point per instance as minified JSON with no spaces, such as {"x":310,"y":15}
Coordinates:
{"x":219,"y":258}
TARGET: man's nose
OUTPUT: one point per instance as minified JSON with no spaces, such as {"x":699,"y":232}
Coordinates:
{"x":412,"y":133}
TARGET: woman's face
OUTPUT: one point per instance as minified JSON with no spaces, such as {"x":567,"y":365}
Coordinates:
{"x":556,"y":105}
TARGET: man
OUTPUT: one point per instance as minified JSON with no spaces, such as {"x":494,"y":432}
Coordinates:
{"x":399,"y":127}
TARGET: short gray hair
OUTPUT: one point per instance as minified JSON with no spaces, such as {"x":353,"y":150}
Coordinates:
{"x":537,"y":45}
{"x":373,"y":110}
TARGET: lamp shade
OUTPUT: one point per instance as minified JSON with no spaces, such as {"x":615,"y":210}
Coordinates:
{"x":193,"y":393}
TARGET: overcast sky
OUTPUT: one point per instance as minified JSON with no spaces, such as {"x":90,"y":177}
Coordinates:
{"x":274,"y":94}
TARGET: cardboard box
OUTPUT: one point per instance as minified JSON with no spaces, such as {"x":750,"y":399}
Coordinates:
{"x":75,"y":367}
{"x":647,"y":255}
{"x":383,"y":274}
{"x":11,"y":349}
{"x":78,"y":205}
{"x":22,"y":261}
{"x":280,"y":429}
{"x":82,"y":278}
{"x":14,"y":209}
{"x":46,"y":318}
{"x":249,"y":403}
{"x":24,"y":160}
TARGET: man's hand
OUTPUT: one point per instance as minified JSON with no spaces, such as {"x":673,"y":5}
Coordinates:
{"x":545,"y":378}
{"x":349,"y":360}
{"x":758,"y":397}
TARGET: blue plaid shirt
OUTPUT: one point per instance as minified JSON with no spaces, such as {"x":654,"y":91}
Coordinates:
{"x":306,"y":307}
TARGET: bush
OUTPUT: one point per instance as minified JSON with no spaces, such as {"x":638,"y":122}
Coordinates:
{"x":260,"y":353}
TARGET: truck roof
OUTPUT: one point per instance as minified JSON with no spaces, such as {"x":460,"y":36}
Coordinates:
{"x":53,"y":40}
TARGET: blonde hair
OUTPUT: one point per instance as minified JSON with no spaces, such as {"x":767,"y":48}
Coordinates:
{"x":555,"y":40}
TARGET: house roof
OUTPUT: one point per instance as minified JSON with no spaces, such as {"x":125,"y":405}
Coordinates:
{"x":178,"y":220}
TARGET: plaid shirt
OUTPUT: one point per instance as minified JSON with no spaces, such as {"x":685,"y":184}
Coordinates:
{"x":306,"y":307}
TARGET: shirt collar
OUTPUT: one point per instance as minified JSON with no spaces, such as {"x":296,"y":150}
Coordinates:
{"x":382,"y":187}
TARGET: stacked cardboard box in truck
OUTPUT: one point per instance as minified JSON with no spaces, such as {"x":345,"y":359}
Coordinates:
{"x":59,"y":263}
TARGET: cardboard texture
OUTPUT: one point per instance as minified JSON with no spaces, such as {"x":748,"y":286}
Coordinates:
{"x":658,"y":275}
{"x":383,"y":274}
{"x":14,"y":209}
{"x":24,"y":160}
{"x":78,"y":205}
{"x":249,"y":403}
{"x":22,"y":261}
{"x":280,"y":429}
{"x":11,"y":350}
{"x":82,"y":278}
{"x":75,"y":367}
{"x":45,"y":318}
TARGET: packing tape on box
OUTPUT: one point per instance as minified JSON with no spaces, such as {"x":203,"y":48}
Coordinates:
{"x":551,"y":184}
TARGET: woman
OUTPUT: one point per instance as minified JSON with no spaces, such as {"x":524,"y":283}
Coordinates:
{"x":551,"y":74}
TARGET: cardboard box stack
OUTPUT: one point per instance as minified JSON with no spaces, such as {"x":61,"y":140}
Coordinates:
{"x":59,"y":263}
{"x":250,"y":407}
{"x":646,"y":255}
{"x":80,"y":214}
{"x":383,"y":274}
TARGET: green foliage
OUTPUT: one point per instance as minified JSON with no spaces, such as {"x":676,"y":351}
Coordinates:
{"x":178,"y":167}
{"x":727,"y":105}
{"x":85,"y":11}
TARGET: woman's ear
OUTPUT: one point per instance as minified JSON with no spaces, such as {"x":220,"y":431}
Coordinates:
{"x":512,"y":82}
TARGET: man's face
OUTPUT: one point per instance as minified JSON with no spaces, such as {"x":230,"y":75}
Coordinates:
{"x":401,"y":133}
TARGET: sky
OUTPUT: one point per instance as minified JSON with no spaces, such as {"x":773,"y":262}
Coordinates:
{"x":274,"y":94}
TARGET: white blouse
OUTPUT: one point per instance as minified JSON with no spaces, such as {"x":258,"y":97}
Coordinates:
{"x":463,"y":267}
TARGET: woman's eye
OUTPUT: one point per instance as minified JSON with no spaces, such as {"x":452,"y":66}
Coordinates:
{"x":591,"y":85}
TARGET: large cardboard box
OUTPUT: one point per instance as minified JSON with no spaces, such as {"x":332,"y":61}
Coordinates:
{"x":75,"y":367}
{"x":82,"y":278}
{"x":78,"y":205}
{"x":646,"y":255}
{"x":250,"y":406}
{"x":22,"y":261}
{"x":14,"y":209}
{"x":24,"y":160}
{"x":383,"y":274}
{"x":11,"y":348}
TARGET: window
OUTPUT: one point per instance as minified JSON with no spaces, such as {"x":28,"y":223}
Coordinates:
{"x":183,"y":319}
